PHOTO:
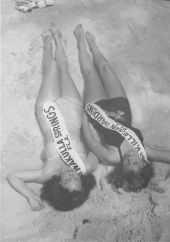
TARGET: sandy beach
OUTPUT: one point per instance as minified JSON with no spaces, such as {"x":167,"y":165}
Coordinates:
{"x":134,"y":35}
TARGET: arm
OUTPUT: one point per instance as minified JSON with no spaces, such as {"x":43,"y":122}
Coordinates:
{"x":91,"y":162}
{"x":156,"y":155}
{"x":18,"y":181}
{"x":94,"y":144}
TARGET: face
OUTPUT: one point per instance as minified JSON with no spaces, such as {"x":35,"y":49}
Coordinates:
{"x":132,"y":162}
{"x":71,"y":180}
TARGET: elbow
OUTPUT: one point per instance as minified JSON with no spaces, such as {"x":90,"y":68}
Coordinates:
{"x":10,"y":177}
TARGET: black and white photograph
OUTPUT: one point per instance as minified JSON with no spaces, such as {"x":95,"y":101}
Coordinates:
{"x":85,"y":121}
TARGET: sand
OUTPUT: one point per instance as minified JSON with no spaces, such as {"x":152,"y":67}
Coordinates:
{"x":134,"y":35}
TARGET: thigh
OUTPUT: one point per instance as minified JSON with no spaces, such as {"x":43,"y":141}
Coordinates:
{"x":93,"y":87}
{"x":111,"y":82}
{"x":68,"y":88}
{"x":50,"y":86}
{"x":43,"y":125}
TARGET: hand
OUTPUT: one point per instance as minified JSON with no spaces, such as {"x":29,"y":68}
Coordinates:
{"x":35,"y":202}
{"x":157,"y":186}
{"x":160,"y":194}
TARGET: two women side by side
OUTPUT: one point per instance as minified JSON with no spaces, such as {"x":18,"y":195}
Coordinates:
{"x":66,"y":185}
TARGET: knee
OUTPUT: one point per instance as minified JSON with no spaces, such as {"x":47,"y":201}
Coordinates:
{"x":104,"y":64}
{"x":47,"y":68}
{"x":64,"y":72}
{"x":88,"y":71}
{"x":63,"y":65}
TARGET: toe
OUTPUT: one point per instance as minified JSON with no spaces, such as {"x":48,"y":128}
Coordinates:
{"x":46,"y":35}
{"x":52,"y":28}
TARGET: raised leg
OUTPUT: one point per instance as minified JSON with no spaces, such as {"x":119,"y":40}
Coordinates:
{"x":50,"y":86}
{"x":93,"y":87}
{"x":68,"y":88}
{"x":110,"y":80}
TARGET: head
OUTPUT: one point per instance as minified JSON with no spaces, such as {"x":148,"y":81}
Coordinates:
{"x":68,"y":191}
{"x":133,"y":174}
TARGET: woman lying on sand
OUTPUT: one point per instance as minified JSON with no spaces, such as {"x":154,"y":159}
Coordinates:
{"x":107,"y":123}
{"x":66,"y":184}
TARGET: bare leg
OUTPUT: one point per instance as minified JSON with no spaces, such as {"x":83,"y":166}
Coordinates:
{"x":110,"y":80}
{"x":68,"y":88}
{"x":93,"y":87}
{"x":50,"y":86}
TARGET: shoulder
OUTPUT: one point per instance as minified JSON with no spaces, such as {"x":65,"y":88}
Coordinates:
{"x":50,"y":169}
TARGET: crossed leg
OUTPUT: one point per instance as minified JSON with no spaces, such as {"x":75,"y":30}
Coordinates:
{"x":93,"y":87}
{"x":110,"y":80}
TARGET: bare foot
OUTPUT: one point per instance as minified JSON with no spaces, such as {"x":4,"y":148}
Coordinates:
{"x":46,"y":36}
{"x":79,"y":35}
{"x":59,"y":52}
{"x":90,"y":40}
{"x":56,"y":34}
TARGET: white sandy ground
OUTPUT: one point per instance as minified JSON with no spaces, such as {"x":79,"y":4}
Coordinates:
{"x":135,"y":36}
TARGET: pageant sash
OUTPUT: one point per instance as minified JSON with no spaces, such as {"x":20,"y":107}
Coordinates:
{"x":96,"y":113}
{"x":62,"y":138}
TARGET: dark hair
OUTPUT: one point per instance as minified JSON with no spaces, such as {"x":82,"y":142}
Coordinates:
{"x":130,"y":181}
{"x":61,"y":199}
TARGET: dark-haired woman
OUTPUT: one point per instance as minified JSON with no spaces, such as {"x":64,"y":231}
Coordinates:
{"x":107,"y":121}
{"x":65,"y":170}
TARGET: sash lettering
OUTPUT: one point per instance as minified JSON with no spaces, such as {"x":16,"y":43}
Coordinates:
{"x":62,"y":139}
{"x":96,"y":113}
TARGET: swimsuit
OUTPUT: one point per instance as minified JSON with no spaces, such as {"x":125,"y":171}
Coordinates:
{"x":117,"y":109}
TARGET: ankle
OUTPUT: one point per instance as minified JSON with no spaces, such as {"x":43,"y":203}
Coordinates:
{"x":47,"y":45}
{"x":81,"y":45}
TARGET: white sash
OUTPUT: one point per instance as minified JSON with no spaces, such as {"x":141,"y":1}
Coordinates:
{"x":96,"y":113}
{"x":62,"y":139}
